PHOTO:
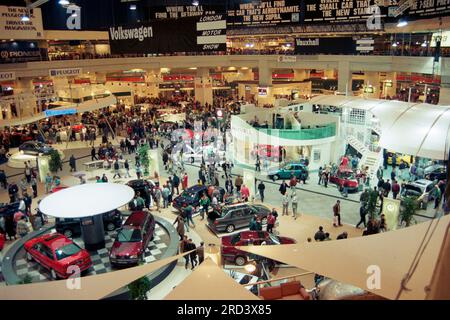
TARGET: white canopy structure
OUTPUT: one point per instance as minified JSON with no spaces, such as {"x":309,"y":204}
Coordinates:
{"x":86,"y":200}
{"x":418,"y":129}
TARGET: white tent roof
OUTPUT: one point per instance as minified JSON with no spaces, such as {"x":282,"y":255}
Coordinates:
{"x":86,"y":200}
{"x":412,"y":128}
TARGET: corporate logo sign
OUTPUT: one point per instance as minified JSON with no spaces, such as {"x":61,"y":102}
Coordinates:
{"x":195,"y":34}
{"x":11,"y":23}
{"x":325,"y":45}
{"x":68,"y":72}
{"x":52,"y":113}
{"x":19,"y":51}
{"x":7,"y":76}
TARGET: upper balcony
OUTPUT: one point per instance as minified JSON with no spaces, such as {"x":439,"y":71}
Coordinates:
{"x":320,"y":132}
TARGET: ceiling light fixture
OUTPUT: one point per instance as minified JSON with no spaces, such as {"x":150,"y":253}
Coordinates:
{"x":64,"y":2}
{"x":132,"y":7}
{"x":402,"y":23}
{"x":25,"y":17}
{"x":195,"y":3}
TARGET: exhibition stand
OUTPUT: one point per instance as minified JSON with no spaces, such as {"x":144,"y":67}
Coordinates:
{"x":88,"y":202}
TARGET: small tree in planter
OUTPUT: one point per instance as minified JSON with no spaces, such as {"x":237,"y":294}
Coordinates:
{"x":139,"y":288}
{"x":55,"y":162}
{"x":408,"y":210}
{"x":371,"y":203}
{"x":144,"y":159}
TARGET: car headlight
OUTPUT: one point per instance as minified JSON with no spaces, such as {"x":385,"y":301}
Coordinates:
{"x":134,"y":256}
{"x":113,"y":255}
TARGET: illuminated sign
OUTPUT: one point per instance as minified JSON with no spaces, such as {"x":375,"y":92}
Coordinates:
{"x":52,"y":113}
{"x":262,"y":91}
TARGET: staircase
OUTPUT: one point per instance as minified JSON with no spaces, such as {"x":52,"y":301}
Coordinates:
{"x":358,"y":145}
{"x":369,"y":158}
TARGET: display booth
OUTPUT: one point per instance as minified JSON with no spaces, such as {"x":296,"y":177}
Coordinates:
{"x":18,"y":159}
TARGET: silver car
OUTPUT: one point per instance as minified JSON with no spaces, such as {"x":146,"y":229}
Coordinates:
{"x":421,"y":190}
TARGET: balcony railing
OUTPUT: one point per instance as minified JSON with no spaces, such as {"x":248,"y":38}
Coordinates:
{"x":322,"y":132}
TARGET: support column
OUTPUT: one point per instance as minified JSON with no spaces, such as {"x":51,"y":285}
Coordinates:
{"x":25,"y":99}
{"x":444,"y":92}
{"x":344,"y":77}
{"x":152,"y":80}
{"x":265,"y":82}
{"x":203,"y":87}
{"x":372,"y":79}
{"x":301,"y":74}
{"x":100,"y":77}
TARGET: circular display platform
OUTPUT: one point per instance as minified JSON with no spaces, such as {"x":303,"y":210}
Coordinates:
{"x":17,"y":160}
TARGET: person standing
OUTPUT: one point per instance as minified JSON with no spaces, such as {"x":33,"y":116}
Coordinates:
{"x":175,"y":183}
{"x":48,"y":183}
{"x":337,"y":213}
{"x":158,"y":196}
{"x":258,"y":164}
{"x":201,"y":252}
{"x":229,"y":186}
{"x":22,"y":228}
{"x":261,"y":189}
{"x":72,"y":163}
{"x":395,"y":189}
{"x":184,"y":247}
{"x":320,"y":175}
{"x":34,"y":186}
{"x":204,"y":203}
{"x":325,"y":176}
{"x":283,"y":188}
{"x":270,"y":222}
{"x":127,"y":169}
{"x":193,"y":254}
{"x":294,"y":203}
{"x":285,"y":203}
{"x":138,"y":171}
{"x":184,"y":183}
{"x":116,"y":169}
{"x":93,"y":154}
{"x":362,"y":215}
{"x":27,"y":200}
{"x":165,"y":196}
{"x":238,"y":183}
{"x":188,"y":212}
{"x":27,"y":173}
{"x":387,"y":188}
{"x":437,"y":197}
{"x":3,"y":179}
{"x":245,"y":193}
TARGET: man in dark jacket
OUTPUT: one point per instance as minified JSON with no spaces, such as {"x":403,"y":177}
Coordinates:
{"x":93,"y":154}
{"x":362,"y":215}
{"x":176,"y":183}
{"x":387,"y":188}
{"x":320,"y":235}
{"x":13,"y":189}
{"x":72,"y":164}
{"x":261,"y":188}
{"x":283,"y":187}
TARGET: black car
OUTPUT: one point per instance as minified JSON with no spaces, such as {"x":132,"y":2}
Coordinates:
{"x":8,"y":209}
{"x":236,"y":216}
{"x":191,"y":196}
{"x":144,"y":187}
{"x":436,"y":172}
{"x":35,"y":148}
{"x":72,"y":227}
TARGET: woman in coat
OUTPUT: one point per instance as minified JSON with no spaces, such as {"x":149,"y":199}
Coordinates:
{"x":180,"y":226}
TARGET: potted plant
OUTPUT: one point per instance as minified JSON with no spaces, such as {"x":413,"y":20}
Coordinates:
{"x":55,"y":162}
{"x":370,"y":202}
{"x":26,"y":280}
{"x":144,"y":159}
{"x":407,"y":211}
{"x":139,"y":288}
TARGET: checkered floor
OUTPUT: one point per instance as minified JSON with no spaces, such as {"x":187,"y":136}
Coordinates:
{"x":100,"y":258}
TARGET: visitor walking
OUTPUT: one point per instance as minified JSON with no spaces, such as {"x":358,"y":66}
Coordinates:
{"x":116,"y":169}
{"x":48,"y":183}
{"x":294,"y":204}
{"x":72,"y":163}
{"x":285,"y":203}
{"x":93,"y":154}
{"x":270,"y":222}
{"x":337,"y":213}
{"x":34,"y":186}
{"x":261,"y":189}
{"x":362,"y":216}
{"x":126,"y":165}
{"x":204,"y":204}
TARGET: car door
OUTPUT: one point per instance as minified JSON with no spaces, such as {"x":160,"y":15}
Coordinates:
{"x":37,"y":253}
{"x":285,"y":173}
{"x":247,"y":215}
{"x":47,"y":257}
{"x":235,"y":218}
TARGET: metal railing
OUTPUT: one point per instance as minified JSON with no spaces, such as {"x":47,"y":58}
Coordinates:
{"x":322,"y":132}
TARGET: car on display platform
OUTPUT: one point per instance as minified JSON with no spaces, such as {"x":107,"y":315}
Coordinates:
{"x":285,"y":172}
{"x":266,"y":151}
{"x":192,"y":195}
{"x":435,"y":172}
{"x":146,"y":188}
{"x":229,"y":218}
{"x":344,"y":177}
{"x":35,"y":148}
{"x":248,"y":238}
{"x":419,"y":190}
{"x":71,"y":227}
{"x":57,"y":254}
{"x":132,"y":239}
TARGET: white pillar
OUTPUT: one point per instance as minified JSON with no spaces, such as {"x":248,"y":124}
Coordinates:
{"x":372,"y":79}
{"x":265,"y":81}
{"x":203,"y":86}
{"x":344,"y":77}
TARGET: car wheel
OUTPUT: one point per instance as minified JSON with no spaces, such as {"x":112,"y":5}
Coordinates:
{"x":68,"y":233}
{"x":275,"y":177}
{"x":240,"y":261}
{"x":110,"y":226}
{"x":192,"y":160}
{"x":53,"y":274}
{"x":29,"y":256}
{"x":264,"y":220}
{"x":230,"y":228}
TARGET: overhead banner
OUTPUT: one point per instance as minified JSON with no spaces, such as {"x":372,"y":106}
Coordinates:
{"x":67,"y":72}
{"x":428,"y":8}
{"x":53,"y":113}
{"x":263,"y":13}
{"x":206,"y":33}
{"x":12,"y":26}
{"x":185,"y":11}
{"x":19,"y":51}
{"x":332,"y":45}
{"x":7,"y":76}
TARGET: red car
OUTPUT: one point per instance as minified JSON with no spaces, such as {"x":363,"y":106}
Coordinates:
{"x":2,"y":241}
{"x":77,"y":127}
{"x":57,"y":253}
{"x":245,"y":238}
{"x":344,"y":177}
{"x":132,"y":239}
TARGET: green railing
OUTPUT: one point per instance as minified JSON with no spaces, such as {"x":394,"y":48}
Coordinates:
{"x":321,"y":132}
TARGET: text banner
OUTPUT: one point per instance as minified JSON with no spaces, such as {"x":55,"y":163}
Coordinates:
{"x":12,"y":26}
{"x":332,"y":45}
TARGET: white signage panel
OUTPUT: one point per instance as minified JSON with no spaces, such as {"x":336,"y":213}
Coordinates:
{"x":7,"y":76}
{"x":12,"y":26}
{"x":67,"y":72}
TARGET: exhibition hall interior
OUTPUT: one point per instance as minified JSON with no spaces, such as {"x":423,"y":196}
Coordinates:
{"x":255,"y":150}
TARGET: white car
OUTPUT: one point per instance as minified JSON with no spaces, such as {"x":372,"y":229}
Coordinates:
{"x":192,"y":155}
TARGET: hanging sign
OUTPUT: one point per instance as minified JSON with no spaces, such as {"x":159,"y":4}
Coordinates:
{"x":67,"y":72}
{"x":12,"y":26}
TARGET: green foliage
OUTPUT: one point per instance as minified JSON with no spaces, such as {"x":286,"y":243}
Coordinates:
{"x":369,"y":199}
{"x":26,"y":280}
{"x":139,"y":288}
{"x":55,"y":162}
{"x":144,"y":159}
{"x":408,"y":210}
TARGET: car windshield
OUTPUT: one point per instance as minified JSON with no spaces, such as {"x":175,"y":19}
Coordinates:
{"x":275,"y":239}
{"x":188,"y":194}
{"x":129,"y":235}
{"x":235,"y":239}
{"x":67,"y":251}
{"x":347,"y":174}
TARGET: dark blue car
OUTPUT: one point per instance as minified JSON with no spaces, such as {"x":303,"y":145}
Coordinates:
{"x":191,"y":196}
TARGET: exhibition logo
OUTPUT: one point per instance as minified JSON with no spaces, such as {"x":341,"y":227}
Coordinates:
{"x":140,"y":33}
{"x":373,"y":282}
{"x":308,"y":42}
{"x":64,"y":72}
